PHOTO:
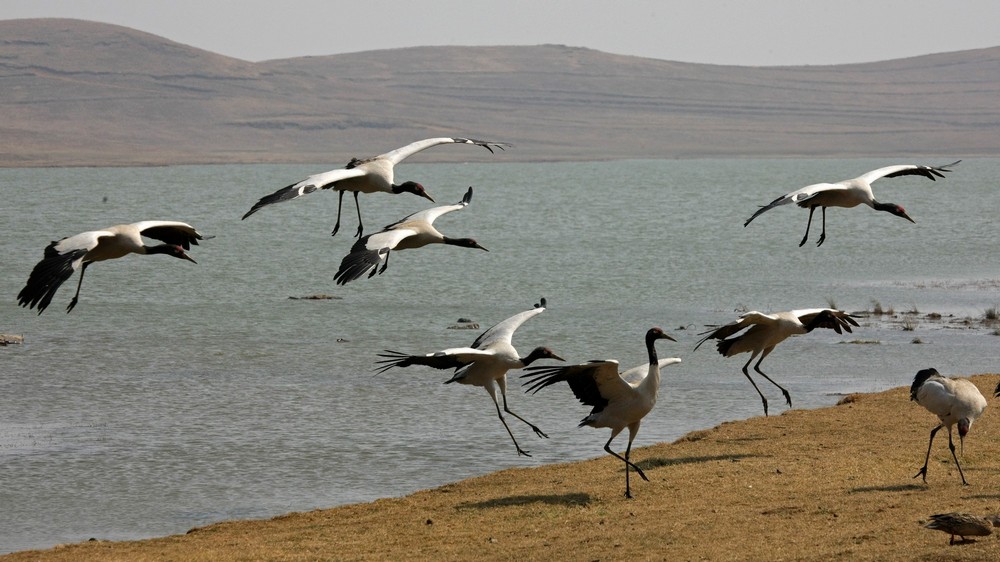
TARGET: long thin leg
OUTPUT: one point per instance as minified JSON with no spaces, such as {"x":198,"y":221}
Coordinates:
{"x":340,"y":203}
{"x":749,"y":378}
{"x":533,"y":427}
{"x":628,"y":463}
{"x":357,"y":206}
{"x":951,"y":445}
{"x":79,"y":284}
{"x":520,"y":451}
{"x":788,"y":397}
{"x":923,"y":471}
{"x":808,"y":224}
{"x":822,"y":236}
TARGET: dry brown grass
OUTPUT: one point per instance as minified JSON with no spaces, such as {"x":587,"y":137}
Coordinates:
{"x":826,"y":484}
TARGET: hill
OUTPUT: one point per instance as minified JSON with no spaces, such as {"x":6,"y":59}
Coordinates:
{"x":86,"y":93}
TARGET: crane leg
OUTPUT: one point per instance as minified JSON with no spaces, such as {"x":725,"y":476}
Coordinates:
{"x":951,"y":445}
{"x":788,"y":397}
{"x":923,"y":471}
{"x":749,"y":378}
{"x":628,"y":463}
{"x":340,"y":204}
{"x":808,"y":224}
{"x":520,"y":451}
{"x":822,"y":235}
{"x":361,"y":227}
{"x":79,"y":284}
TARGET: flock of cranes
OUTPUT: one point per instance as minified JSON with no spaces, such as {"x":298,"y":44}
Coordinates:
{"x":619,"y":400}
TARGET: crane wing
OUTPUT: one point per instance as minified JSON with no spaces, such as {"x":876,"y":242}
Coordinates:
{"x":315,"y":182}
{"x":430,"y":215}
{"x":454,"y":358}
{"x":746,"y":320}
{"x":504,"y":331}
{"x":829,"y":318}
{"x":368,"y":252}
{"x":799,"y":196}
{"x":594,"y":383}
{"x":402,"y":153}
{"x":929,"y":172}
{"x":636,"y":374}
{"x":171,"y":232}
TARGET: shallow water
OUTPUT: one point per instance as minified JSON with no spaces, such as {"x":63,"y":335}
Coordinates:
{"x":177,"y":395}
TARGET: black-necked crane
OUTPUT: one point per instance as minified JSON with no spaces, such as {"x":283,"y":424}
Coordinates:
{"x":369,"y":175}
{"x":619,"y":401}
{"x":963,"y":525}
{"x":414,"y":231}
{"x":955,"y":401}
{"x":63,"y":257}
{"x":765,"y":331}
{"x":485,"y":363}
{"x":851,"y":193}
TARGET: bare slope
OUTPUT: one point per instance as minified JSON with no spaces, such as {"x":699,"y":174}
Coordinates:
{"x":77,"y":92}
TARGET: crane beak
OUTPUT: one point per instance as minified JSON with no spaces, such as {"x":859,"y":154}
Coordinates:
{"x":556,"y":357}
{"x":188,"y":258}
{"x":668,"y":337}
{"x":427,"y":196}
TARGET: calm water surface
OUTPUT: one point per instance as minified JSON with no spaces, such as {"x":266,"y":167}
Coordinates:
{"x":177,"y":395}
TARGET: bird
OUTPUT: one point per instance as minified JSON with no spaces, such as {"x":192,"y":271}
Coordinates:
{"x":619,"y":400}
{"x":954,"y":401}
{"x":963,"y":525}
{"x":413,"y":231}
{"x":768,"y":330}
{"x":63,"y":257}
{"x":485,"y":363}
{"x":851,"y":193}
{"x":369,"y":175}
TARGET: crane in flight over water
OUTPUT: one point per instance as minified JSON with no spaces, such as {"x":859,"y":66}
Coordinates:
{"x":369,"y":175}
{"x":851,"y":193}
{"x":63,"y":257}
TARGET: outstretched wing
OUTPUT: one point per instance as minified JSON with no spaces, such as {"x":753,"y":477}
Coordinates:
{"x":430,"y":215}
{"x":368,"y":252}
{"x":454,"y":358}
{"x":746,"y":320}
{"x":799,"y":196}
{"x":504,"y":331}
{"x":402,"y":153}
{"x":171,"y":232}
{"x":829,"y":318}
{"x":929,"y":172}
{"x":636,"y":374}
{"x":308,"y":185}
{"x":594,"y":383}
{"x":61,"y":259}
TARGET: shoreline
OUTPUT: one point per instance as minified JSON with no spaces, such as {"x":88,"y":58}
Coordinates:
{"x":834,"y":482}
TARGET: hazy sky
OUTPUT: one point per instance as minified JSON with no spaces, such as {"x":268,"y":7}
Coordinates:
{"x":747,"y":32}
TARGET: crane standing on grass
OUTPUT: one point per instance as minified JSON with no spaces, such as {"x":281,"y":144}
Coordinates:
{"x":954,"y":401}
{"x":619,"y":400}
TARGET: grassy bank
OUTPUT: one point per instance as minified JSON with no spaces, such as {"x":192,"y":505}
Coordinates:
{"x":834,"y":483}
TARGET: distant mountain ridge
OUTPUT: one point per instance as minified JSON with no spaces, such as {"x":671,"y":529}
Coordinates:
{"x":86,"y":93}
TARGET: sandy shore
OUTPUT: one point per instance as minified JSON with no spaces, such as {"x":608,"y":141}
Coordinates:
{"x":834,"y":483}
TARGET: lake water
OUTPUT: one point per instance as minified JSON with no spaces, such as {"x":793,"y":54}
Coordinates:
{"x":177,"y":395}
